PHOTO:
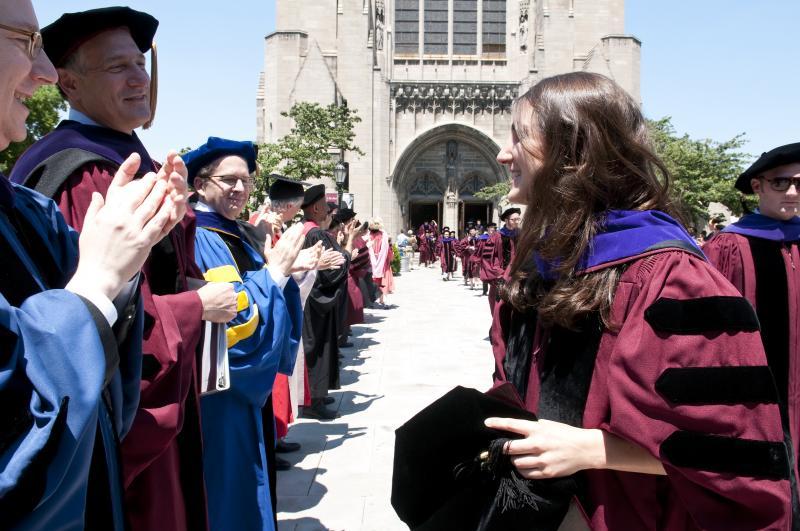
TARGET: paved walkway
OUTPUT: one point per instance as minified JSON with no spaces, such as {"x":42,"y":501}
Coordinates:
{"x":402,"y":359}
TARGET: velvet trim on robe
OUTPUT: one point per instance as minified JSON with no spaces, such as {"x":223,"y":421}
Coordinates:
{"x":262,"y":340}
{"x":163,"y":484}
{"x":53,"y":404}
{"x":623,"y":400}
{"x":321,"y":318}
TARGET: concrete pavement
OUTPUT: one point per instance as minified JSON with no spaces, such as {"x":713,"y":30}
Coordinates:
{"x":402,"y":359}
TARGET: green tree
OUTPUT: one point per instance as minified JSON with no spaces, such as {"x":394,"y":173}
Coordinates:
{"x":703,"y":171}
{"x":45,"y":106}
{"x":306,"y":151}
{"x":494,"y":191}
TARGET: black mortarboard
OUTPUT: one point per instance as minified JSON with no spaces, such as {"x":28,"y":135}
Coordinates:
{"x":344,"y":215}
{"x":313,"y":194}
{"x":444,"y":478}
{"x":283,"y":189}
{"x":65,"y":35}
{"x":489,"y":225}
{"x":216,"y":148}
{"x":508,"y":212}
{"x":768,"y":160}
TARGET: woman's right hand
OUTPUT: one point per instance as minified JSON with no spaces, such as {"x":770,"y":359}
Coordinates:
{"x":119,"y":231}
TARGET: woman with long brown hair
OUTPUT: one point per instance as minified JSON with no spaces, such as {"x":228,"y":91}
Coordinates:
{"x":643,"y":364}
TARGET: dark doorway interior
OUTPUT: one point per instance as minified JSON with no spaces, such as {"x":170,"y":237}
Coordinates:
{"x":480,"y":210}
{"x":419,"y":213}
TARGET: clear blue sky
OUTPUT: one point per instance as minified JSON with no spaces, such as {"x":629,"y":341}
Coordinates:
{"x":718,"y":67}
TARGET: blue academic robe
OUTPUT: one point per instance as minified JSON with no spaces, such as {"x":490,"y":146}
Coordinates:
{"x":58,"y":364}
{"x":262,"y":341}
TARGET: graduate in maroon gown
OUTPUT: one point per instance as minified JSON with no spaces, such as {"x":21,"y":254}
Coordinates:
{"x":466,"y":250}
{"x":643,"y":364}
{"x":759,"y":255}
{"x":447,"y":254}
{"x":162,"y":454}
{"x":491,"y":256}
{"x":425,"y":251}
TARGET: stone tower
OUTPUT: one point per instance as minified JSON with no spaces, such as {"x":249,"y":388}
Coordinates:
{"x":433,"y":81}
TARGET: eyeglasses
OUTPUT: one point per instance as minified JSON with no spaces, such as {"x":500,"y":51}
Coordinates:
{"x":229,"y":181}
{"x":781,"y":184}
{"x":34,"y":40}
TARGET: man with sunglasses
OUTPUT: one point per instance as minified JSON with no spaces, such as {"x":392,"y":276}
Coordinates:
{"x":759,"y":255}
{"x":99,"y":56}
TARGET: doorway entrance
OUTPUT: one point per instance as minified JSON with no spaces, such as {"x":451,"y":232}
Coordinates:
{"x":472,"y":212}
{"x":419,"y":213}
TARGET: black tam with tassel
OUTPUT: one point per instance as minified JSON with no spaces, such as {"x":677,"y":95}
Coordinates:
{"x":450,"y":472}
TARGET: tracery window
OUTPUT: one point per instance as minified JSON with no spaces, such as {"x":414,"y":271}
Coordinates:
{"x":406,"y":26}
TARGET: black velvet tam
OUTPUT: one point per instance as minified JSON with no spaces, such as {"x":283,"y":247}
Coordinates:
{"x":283,"y":189}
{"x":65,"y":35}
{"x":440,"y":481}
{"x":313,"y":194}
{"x":771,"y":159}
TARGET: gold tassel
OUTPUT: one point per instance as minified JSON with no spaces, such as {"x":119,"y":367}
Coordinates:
{"x":153,"y":86}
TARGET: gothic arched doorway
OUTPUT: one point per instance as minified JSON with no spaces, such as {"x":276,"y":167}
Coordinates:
{"x":439,"y":173}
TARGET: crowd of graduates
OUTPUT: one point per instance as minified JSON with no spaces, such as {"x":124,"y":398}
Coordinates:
{"x":155,"y":347}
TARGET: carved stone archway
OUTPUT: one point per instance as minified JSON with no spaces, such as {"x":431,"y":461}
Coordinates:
{"x":455,"y":176}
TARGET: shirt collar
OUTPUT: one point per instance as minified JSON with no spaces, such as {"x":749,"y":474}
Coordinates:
{"x":203,"y":207}
{"x":77,"y":116}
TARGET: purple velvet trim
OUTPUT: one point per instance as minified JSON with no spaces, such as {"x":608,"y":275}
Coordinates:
{"x":766,"y":228}
{"x":508,"y":233}
{"x":212,"y":220}
{"x":102,"y":141}
{"x":624,"y":234}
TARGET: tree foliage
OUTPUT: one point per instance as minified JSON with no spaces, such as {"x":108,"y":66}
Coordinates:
{"x":703,"y":171}
{"x":306,"y":151}
{"x":494,"y":191}
{"x":45,"y":106}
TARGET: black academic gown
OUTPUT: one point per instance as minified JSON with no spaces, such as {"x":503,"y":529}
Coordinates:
{"x":322,"y":316}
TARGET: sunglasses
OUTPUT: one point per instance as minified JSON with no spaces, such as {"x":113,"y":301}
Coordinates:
{"x":781,"y":184}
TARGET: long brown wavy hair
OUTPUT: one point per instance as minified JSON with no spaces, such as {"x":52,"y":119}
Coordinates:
{"x":593,"y":151}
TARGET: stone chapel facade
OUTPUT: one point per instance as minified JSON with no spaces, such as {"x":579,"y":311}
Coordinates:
{"x":433,"y":82}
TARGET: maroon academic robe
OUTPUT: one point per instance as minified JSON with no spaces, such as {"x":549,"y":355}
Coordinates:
{"x":466,"y":250}
{"x":162,"y":454}
{"x":627,"y":396}
{"x":492,"y":268}
{"x":447,"y":255}
{"x":766,"y":274}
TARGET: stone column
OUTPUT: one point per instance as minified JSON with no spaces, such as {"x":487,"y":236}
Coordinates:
{"x":450,"y":215}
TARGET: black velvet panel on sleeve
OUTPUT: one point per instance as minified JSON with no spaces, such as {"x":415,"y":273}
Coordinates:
{"x":727,"y":455}
{"x":717,"y":385}
{"x":702,"y":315}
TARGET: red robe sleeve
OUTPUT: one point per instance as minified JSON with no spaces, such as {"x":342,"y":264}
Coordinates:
{"x":730,"y":254}
{"x":173,"y":328}
{"x":627,"y":398}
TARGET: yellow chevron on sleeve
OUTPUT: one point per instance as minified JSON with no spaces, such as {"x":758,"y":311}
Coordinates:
{"x":243,"y":331}
{"x":226,"y":273}
{"x":242,"y":301}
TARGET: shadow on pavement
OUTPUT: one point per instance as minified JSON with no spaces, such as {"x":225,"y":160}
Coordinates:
{"x":301,"y":524}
